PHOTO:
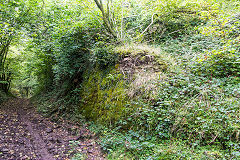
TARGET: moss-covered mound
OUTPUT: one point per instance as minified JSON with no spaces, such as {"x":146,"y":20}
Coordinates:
{"x":107,"y":94}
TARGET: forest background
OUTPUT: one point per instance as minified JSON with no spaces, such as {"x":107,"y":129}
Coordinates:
{"x":153,"y":79}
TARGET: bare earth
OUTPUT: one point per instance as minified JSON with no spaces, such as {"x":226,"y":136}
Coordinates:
{"x":24,"y":134}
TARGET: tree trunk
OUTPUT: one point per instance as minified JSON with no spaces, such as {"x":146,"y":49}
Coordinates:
{"x":106,"y":18}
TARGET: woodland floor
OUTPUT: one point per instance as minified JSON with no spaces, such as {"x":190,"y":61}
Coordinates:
{"x":24,"y":134}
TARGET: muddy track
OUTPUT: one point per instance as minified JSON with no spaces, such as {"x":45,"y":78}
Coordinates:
{"x":24,"y":134}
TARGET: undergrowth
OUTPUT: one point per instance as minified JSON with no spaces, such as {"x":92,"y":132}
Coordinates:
{"x":3,"y":97}
{"x":175,"y":114}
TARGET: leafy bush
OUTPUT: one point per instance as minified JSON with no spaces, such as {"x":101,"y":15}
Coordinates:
{"x":73,"y":57}
{"x":221,"y":63}
{"x":105,"y":58}
{"x":172,"y":19}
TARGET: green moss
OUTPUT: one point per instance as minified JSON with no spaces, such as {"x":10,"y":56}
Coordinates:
{"x":104,"y":96}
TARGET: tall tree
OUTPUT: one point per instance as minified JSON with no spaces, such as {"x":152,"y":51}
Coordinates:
{"x":106,"y":16}
{"x":14,"y":16}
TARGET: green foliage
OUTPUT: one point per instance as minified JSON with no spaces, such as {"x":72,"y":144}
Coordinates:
{"x":177,"y":101}
{"x":132,"y":145}
{"x":105,"y":58}
{"x":14,"y":17}
{"x":73,"y":57}
{"x":155,"y":21}
{"x":223,"y":61}
{"x":24,"y":81}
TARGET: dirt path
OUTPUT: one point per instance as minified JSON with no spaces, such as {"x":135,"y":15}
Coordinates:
{"x":24,"y":134}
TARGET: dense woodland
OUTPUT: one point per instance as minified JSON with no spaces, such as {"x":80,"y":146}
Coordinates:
{"x":153,"y":79}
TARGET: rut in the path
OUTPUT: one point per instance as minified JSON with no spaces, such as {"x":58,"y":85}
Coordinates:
{"x":24,"y":134}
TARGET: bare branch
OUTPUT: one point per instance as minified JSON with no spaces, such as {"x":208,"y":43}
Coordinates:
{"x":149,"y":24}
